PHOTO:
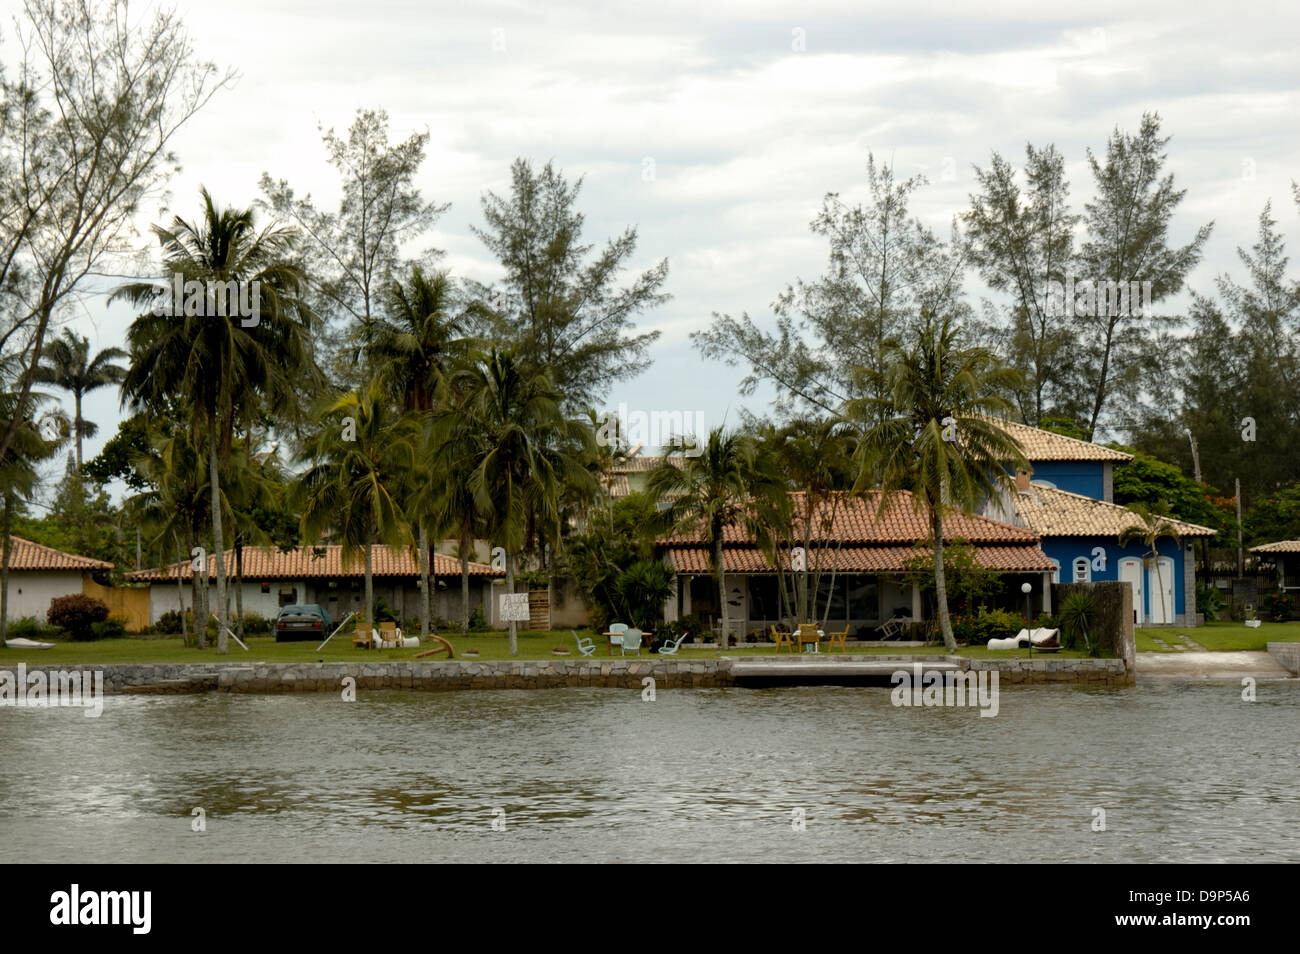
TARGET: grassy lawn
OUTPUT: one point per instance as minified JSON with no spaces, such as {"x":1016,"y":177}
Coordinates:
{"x":1223,"y":636}
{"x":532,"y":645}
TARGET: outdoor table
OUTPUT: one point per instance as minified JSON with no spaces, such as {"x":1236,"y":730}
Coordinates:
{"x":609,"y":639}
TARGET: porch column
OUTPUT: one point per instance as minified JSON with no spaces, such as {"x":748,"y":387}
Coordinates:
{"x":1047,"y":593}
{"x":916,"y":603}
{"x":686,"y":596}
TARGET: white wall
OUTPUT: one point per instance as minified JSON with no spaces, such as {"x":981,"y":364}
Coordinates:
{"x":30,"y":591}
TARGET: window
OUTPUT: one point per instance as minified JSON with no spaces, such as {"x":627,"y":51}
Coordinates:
{"x":266,"y":587}
{"x":1082,"y":570}
{"x":1056,"y":570}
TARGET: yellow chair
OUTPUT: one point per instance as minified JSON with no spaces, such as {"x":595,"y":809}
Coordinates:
{"x":808,"y":634}
{"x":388,"y":635}
{"x":838,"y":638}
{"x":363,"y":638}
{"x":782,"y":639}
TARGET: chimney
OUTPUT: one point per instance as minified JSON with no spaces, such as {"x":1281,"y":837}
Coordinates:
{"x":1022,"y":481}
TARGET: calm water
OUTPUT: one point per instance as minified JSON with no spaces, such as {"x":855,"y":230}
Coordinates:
{"x":1185,"y":772}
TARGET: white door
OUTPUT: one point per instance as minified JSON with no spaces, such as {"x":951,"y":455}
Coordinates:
{"x":1130,"y":572}
{"x":1161,"y":582}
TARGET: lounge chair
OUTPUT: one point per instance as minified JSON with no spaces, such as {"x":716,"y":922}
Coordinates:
{"x":632,"y":641}
{"x":892,"y":628}
{"x":670,"y":647}
{"x":782,"y":638}
{"x":585,"y":646}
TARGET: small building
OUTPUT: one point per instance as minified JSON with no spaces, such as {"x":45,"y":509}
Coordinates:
{"x":861,"y":558}
{"x":273,"y":578}
{"x":38,"y":574}
{"x":1285,"y":557}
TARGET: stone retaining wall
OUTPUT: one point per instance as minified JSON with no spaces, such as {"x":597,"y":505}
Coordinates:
{"x":1287,"y":655}
{"x":166,"y":678}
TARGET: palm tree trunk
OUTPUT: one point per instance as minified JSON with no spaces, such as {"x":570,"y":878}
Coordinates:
{"x":425,"y":580}
{"x":180,"y":592}
{"x":76,"y":426}
{"x":218,"y":540}
{"x":510,"y":588}
{"x":940,"y":587}
{"x":464,"y":586}
{"x":4,"y":567}
{"x":199,"y":598}
{"x":722,"y":589}
{"x":239,"y":588}
{"x":370,"y":588}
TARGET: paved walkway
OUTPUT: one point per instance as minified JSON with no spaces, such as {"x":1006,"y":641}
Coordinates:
{"x":1205,"y":665}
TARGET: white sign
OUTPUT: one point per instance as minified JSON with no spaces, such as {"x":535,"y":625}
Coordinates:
{"x":514,"y":606}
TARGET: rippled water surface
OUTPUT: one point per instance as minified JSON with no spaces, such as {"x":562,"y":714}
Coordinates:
{"x":1184,"y":772}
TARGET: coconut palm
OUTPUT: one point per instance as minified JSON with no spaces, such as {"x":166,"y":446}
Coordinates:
{"x":728,"y":483}
{"x":66,"y":364}
{"x":362,"y":466}
{"x":1152,"y":523}
{"x":509,"y":441}
{"x":936,"y":433}
{"x":219,"y":363}
{"x":412,"y":350}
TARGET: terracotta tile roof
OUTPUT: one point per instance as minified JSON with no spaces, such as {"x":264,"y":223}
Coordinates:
{"x":643,"y":463}
{"x":1059,"y":513}
{"x":1282,"y":546}
{"x":305,"y":563}
{"x":1044,"y":445}
{"x":849,"y":518}
{"x":741,"y":559}
{"x":26,"y":555}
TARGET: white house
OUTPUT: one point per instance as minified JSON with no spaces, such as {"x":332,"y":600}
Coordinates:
{"x":38,"y":574}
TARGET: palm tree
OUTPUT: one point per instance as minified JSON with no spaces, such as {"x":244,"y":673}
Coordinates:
{"x":509,"y":441}
{"x":66,"y":363}
{"x":220,"y":363}
{"x":711,"y":491}
{"x":936,"y":433}
{"x":412,"y":350}
{"x":362,"y":464}
{"x":1153,"y":522}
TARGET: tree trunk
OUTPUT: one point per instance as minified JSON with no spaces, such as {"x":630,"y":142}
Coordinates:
{"x":464,"y":585}
{"x":199,"y":598}
{"x":4,"y":567}
{"x":218,"y":539}
{"x":722,"y":590}
{"x":180,"y":593}
{"x":370,"y":589}
{"x":239,"y":588}
{"x":510,"y":588}
{"x":76,"y":426}
{"x":940,"y":587}
{"x":426,"y":578}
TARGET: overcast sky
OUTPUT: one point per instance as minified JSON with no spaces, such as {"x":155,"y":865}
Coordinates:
{"x":746,"y":131}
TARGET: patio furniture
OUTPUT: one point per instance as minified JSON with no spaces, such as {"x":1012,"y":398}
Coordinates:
{"x":585,"y":646}
{"x":389,"y":636}
{"x":363,"y":637}
{"x":615,"y":635}
{"x":892,"y":628}
{"x":782,"y":638}
{"x":631,"y":640}
{"x":670,"y":647}
{"x":839,"y":638}
{"x":809,"y":633}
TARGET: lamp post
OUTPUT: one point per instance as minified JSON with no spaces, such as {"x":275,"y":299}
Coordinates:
{"x":1026,"y":588}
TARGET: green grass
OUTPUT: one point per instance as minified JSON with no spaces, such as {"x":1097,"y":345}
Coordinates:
{"x":532,"y":645}
{"x":1223,"y":636}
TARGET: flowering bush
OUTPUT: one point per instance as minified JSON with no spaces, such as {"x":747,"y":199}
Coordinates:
{"x":1278,"y":607}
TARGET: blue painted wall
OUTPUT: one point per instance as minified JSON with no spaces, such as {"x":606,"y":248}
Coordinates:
{"x":1066,"y":550}
{"x":1077,"y":476}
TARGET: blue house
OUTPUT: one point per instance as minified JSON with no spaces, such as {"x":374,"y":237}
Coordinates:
{"x":1068,"y":501}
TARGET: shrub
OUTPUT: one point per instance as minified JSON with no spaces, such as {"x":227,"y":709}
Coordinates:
{"x":76,"y":614}
{"x":692,"y":624}
{"x":1209,"y":601}
{"x":477,"y":621}
{"x":112,"y":628}
{"x":1278,"y":606}
{"x":29,"y":627}
{"x":255,"y":624}
{"x":996,"y":624}
{"x":1078,"y":614}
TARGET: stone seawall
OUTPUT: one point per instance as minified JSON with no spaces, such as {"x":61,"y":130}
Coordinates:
{"x":167,"y":678}
{"x":1287,"y":655}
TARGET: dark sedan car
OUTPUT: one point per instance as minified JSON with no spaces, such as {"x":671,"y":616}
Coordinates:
{"x":299,"y":621}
